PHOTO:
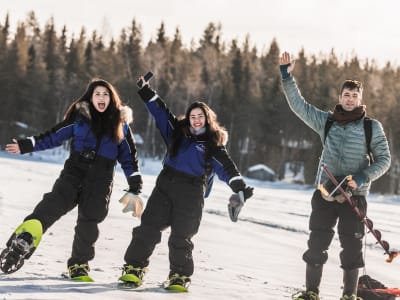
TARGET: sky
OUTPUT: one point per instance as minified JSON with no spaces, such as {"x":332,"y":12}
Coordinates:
{"x":258,"y":257}
{"x":367,"y":28}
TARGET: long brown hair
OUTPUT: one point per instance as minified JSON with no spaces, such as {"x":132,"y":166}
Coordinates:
{"x":216,"y":135}
{"x":108,"y":122}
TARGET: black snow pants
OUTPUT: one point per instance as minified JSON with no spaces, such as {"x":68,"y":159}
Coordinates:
{"x":177,"y":201}
{"x":88,"y":185}
{"x":323,"y":219}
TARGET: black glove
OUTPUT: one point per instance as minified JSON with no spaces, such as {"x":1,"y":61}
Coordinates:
{"x":25,"y":146}
{"x":330,"y":186}
{"x":135,"y":184}
{"x":146,"y":93}
{"x":248,"y":192}
{"x":360,"y":179}
{"x":239,"y":185}
{"x":284,"y":71}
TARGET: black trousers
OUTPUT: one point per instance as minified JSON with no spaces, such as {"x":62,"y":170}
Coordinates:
{"x":177,"y":201}
{"x":88,"y":185}
{"x":323,"y":219}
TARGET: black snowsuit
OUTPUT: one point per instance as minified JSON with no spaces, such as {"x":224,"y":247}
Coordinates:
{"x":88,"y":185}
{"x":178,"y":197}
{"x":86,"y":180}
{"x":176,"y":201}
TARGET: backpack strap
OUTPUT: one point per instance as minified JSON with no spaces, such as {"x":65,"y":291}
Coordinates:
{"x":368,"y":137}
{"x":367,"y":131}
{"x":328,"y":125}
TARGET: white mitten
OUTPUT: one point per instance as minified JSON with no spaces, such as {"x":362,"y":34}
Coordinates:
{"x":236,"y":202}
{"x":132,"y":203}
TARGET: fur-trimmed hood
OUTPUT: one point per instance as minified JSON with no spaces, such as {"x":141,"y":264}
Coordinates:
{"x":126,"y":112}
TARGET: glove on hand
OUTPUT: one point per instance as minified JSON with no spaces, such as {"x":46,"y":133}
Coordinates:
{"x":284,"y":71}
{"x":132,"y":203}
{"x":248,"y":192}
{"x":239,"y":185}
{"x":330,"y":186}
{"x":135,"y":184}
{"x":360,"y":179}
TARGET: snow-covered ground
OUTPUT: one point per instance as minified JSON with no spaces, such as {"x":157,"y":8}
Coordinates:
{"x":259,"y":257}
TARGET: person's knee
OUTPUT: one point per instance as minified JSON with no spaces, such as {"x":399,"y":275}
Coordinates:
{"x":315,"y":257}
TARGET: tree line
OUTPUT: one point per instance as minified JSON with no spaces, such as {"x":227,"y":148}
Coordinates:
{"x":42,"y":71}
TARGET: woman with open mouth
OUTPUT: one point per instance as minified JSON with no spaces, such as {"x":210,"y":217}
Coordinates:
{"x":97,"y":125}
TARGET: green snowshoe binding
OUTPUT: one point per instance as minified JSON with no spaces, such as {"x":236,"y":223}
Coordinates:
{"x":21,"y":245}
{"x":131,"y":277}
{"x":352,"y":297}
{"x":305,"y":295}
{"x":177,"y":283}
{"x":79,"y":272}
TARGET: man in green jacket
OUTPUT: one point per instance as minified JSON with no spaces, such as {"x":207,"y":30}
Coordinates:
{"x":345,"y":153}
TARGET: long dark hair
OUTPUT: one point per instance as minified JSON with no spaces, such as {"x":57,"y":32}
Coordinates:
{"x":216,"y":135}
{"x":108,"y":122}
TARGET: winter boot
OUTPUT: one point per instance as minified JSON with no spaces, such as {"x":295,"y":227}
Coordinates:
{"x":313,"y":277}
{"x":79,"y":272}
{"x":350,"y":282}
{"x":352,"y":297}
{"x":178,"y":283}
{"x":132,"y":276}
{"x":305,"y":295}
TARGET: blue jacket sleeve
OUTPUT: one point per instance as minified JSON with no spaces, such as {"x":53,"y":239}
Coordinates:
{"x":165,"y":120}
{"x":224,"y":166}
{"x":50,"y":139}
{"x":127,"y":153}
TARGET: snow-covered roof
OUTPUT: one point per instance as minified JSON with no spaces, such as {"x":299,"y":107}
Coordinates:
{"x":260,"y":167}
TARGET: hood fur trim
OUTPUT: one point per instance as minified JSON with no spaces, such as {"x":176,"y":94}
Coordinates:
{"x":225,"y":138}
{"x":126,"y":112}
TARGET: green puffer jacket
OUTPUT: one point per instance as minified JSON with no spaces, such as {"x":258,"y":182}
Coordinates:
{"x":345,"y":149}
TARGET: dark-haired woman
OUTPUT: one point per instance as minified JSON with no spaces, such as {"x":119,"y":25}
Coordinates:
{"x":196,"y":151}
{"x":97,"y":126}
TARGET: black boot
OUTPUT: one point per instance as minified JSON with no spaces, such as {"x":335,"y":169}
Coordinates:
{"x":313,"y":277}
{"x":350,"y":282}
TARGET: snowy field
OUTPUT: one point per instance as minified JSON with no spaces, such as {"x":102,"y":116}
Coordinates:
{"x":257,"y":258}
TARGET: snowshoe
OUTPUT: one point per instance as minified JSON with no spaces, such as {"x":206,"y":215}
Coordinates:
{"x":177,"y":283}
{"x":131,"y":277}
{"x":305,"y":295}
{"x":79,"y":272}
{"x":352,"y":297}
{"x":21,"y":246}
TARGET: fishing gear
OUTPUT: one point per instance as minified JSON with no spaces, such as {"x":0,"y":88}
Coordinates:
{"x":367,"y":221}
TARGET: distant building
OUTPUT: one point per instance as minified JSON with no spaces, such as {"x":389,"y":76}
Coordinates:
{"x":261,"y":172}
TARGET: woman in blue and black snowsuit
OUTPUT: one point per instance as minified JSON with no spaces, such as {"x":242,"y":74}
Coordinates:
{"x":196,"y":151}
{"x":97,"y":126}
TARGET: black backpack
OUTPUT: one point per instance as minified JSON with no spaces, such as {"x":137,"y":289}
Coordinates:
{"x":367,"y":130}
{"x":366,"y":286}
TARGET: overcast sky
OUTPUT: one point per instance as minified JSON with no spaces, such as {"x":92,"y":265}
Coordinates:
{"x":368,"y":28}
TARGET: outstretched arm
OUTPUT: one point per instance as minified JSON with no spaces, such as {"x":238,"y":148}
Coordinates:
{"x":308,"y":113}
{"x":164,"y":118}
